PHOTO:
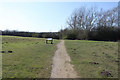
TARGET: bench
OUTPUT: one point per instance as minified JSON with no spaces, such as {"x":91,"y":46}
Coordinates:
{"x":49,"y":39}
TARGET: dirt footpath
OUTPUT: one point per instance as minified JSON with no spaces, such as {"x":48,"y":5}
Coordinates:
{"x":61,"y":67}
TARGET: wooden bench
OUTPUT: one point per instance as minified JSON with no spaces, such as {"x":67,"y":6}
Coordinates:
{"x":49,"y":39}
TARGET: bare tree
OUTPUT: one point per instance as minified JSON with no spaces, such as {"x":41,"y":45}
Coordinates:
{"x":72,"y":21}
{"x":108,"y":18}
{"x":85,"y":19}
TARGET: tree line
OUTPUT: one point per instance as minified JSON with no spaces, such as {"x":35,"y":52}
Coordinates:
{"x":54,"y":35}
{"x":83,"y":24}
{"x":92,"y":24}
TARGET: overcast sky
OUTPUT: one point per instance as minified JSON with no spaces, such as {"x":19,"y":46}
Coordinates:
{"x":41,"y":16}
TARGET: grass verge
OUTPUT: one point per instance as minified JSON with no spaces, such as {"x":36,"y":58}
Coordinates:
{"x":94,"y":59}
{"x":26,"y":57}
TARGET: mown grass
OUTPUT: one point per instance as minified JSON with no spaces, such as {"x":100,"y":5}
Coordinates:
{"x":84,"y":53}
{"x":30,"y":57}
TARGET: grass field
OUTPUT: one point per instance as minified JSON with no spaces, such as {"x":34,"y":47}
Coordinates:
{"x":94,"y":59}
{"x":27,"y":57}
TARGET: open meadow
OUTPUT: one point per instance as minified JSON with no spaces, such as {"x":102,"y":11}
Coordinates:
{"x":25,"y":57}
{"x":59,"y":39}
{"x":94,"y":59}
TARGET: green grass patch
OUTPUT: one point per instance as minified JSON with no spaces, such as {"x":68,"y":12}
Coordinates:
{"x":94,"y":59}
{"x":30,"y":57}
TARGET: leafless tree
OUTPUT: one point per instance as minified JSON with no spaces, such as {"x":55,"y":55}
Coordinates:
{"x":88,"y":18}
{"x":72,"y":21}
{"x":108,"y":18}
{"x":83,"y":18}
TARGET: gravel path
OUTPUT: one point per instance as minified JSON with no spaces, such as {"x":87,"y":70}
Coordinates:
{"x":61,"y":67}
